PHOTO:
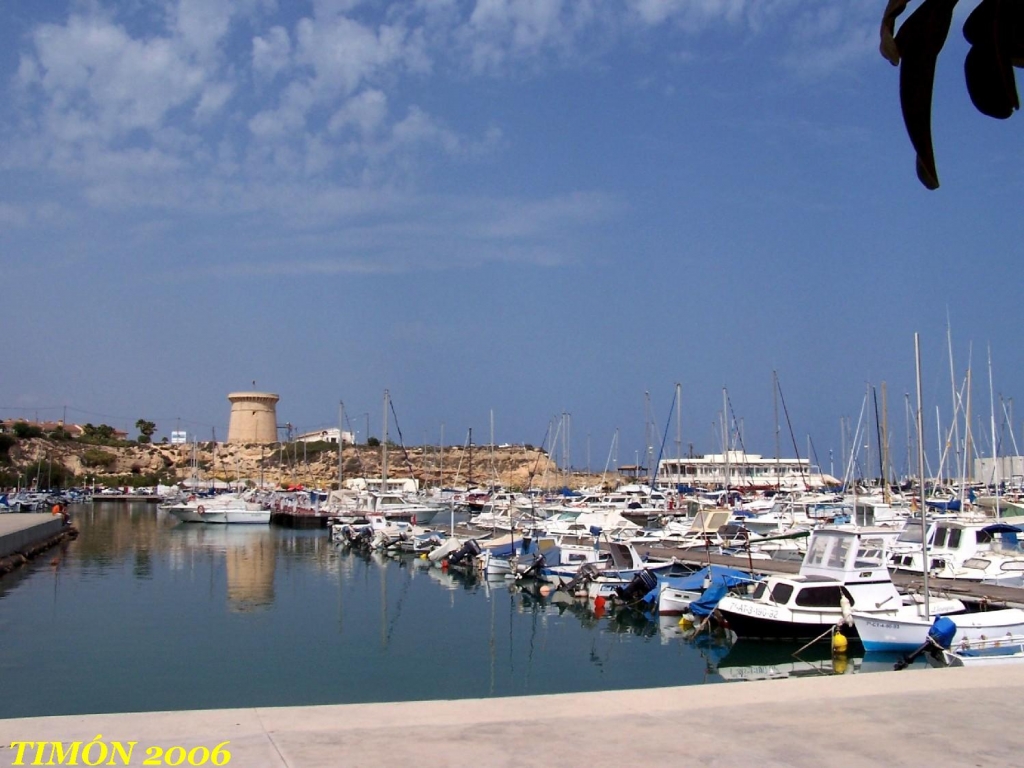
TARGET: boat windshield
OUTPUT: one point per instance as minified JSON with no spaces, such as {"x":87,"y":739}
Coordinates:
{"x":947,"y":537}
{"x":911,"y":534}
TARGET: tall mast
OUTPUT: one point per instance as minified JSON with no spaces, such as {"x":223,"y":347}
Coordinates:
{"x":967,"y":432}
{"x":886,"y":493}
{"x":725,"y":440}
{"x":679,"y":430}
{"x":775,"y":408}
{"x":384,"y":448}
{"x":992,"y":417}
{"x":956,"y":400}
{"x":920,"y":473}
{"x":341,"y":438}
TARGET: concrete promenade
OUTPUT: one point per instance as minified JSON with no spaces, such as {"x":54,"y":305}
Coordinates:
{"x":918,"y":717}
{"x":23,"y":530}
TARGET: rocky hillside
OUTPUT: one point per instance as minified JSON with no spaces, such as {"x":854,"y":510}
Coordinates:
{"x":67,"y":462}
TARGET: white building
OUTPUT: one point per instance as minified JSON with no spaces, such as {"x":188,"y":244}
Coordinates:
{"x":745,"y":470}
{"x":329,"y":435}
{"x":1008,"y":470}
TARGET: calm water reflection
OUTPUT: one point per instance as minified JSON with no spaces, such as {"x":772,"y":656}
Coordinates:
{"x":142,"y":613}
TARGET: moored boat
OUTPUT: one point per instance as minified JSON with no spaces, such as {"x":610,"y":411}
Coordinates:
{"x":843,"y":571}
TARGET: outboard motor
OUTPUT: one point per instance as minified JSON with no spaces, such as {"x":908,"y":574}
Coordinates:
{"x":535,"y":567}
{"x":465,"y":553}
{"x":637,"y":589}
{"x":940,"y":638}
{"x":942,"y":632}
{"x":586,"y":574}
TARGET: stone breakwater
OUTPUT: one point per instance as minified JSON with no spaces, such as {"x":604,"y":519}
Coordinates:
{"x":25,"y":536}
{"x":303,"y":464}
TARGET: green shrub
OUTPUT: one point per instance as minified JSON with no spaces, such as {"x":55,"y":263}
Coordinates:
{"x":23,"y":429}
{"x":94,"y":457}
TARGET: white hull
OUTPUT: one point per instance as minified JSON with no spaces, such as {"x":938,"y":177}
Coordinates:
{"x":238,"y":517}
{"x":907,"y":631}
{"x":238,"y":512}
{"x":1009,"y":650}
{"x":185,"y":514}
{"x":675,"y":602}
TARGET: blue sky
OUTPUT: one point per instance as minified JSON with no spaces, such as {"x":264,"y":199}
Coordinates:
{"x":528,"y":207}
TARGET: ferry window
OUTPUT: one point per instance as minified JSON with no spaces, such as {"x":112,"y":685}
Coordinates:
{"x":819,"y":597}
{"x":782,"y":592}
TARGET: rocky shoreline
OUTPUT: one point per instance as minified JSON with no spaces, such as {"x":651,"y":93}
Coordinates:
{"x":288,"y":464}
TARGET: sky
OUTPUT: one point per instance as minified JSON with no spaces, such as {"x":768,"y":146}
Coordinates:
{"x":500,"y":210}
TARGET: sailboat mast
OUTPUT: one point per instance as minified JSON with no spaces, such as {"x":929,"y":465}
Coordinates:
{"x":775,"y":408}
{"x":995,"y":451}
{"x":725,"y":441}
{"x":341,"y":439}
{"x":884,"y":450}
{"x":920,"y":473}
{"x":968,"y":448}
{"x":679,"y":425}
{"x":384,"y":448}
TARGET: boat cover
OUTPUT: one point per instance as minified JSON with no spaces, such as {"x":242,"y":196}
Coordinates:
{"x":720,"y":575}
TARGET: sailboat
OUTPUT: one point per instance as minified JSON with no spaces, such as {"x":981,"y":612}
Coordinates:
{"x":908,"y":629}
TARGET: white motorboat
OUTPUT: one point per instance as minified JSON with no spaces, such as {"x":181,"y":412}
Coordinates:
{"x":908,"y":629}
{"x":1008,"y":649}
{"x":223,"y":509}
{"x":843,"y":571}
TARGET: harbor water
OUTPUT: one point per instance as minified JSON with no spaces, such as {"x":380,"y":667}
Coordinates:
{"x":142,"y":613}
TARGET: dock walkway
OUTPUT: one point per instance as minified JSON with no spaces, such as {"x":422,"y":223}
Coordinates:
{"x":24,"y":530}
{"x":950,"y":717}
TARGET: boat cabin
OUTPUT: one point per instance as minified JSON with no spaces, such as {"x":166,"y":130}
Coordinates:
{"x":848,"y":556}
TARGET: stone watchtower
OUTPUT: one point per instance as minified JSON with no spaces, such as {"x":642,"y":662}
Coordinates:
{"x":253,"y":417}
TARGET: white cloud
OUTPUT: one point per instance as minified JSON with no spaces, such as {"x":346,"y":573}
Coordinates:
{"x":213,"y":99}
{"x":271,"y":54}
{"x":690,"y":12}
{"x":344,"y":53}
{"x":420,"y":128}
{"x":321,"y":118}
{"x":92,"y":71}
{"x":288,"y":118}
{"x":202,"y":24}
{"x":365,"y":111}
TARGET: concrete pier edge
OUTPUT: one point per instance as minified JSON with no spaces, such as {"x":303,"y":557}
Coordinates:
{"x":909,"y":718}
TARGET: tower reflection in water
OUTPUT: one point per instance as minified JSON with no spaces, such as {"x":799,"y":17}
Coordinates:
{"x":250,"y":570}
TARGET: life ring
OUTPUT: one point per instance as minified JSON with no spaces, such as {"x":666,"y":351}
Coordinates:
{"x":201,"y":509}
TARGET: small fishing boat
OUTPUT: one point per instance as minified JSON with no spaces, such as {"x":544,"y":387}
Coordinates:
{"x":843,"y":571}
{"x":983,"y":653}
{"x":907,"y":629}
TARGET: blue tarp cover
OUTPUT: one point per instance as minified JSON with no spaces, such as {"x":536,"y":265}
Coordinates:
{"x":720,"y":575}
